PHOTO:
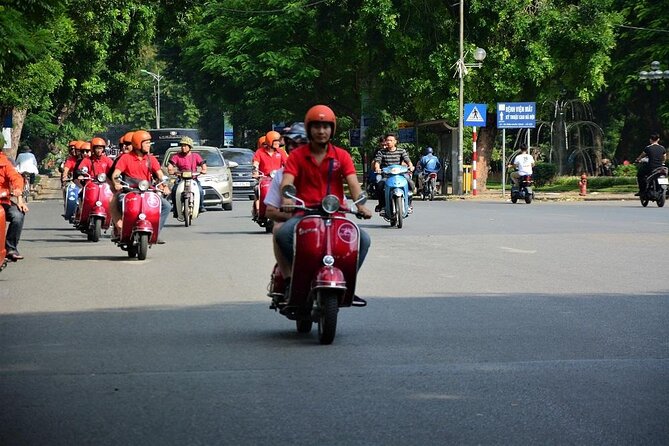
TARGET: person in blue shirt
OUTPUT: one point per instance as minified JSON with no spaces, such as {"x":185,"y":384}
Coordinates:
{"x":428,"y":164}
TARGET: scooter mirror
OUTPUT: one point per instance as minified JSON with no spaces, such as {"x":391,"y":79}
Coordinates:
{"x":289,"y":191}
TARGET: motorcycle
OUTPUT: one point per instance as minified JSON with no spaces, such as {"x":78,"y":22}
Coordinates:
{"x":523,"y":189}
{"x":656,"y":187}
{"x":264,"y":183}
{"x":396,"y":194}
{"x":94,"y":213}
{"x":3,"y":234}
{"x":141,"y":219}
{"x":70,"y":197}
{"x":429,"y":180}
{"x":187,"y":198}
{"x":325,"y":268}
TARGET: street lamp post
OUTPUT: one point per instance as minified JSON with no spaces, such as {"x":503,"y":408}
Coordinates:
{"x":655,"y":75}
{"x":479,"y":56}
{"x":157,"y":78}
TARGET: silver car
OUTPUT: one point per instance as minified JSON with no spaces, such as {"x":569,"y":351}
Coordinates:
{"x":217,"y":182}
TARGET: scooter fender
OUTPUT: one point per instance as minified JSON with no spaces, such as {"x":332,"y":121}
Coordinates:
{"x":195,"y":198}
{"x":263,"y":188}
{"x":100,"y":212}
{"x":143,"y":226}
{"x":329,"y":277}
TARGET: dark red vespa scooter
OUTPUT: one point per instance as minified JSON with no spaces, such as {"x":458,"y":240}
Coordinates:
{"x":324,"y":268}
{"x":94,"y":207}
{"x":141,"y":219}
{"x":264,"y":183}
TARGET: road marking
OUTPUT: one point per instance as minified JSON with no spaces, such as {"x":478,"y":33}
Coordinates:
{"x":517,"y":251}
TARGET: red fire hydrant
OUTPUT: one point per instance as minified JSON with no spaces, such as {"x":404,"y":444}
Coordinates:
{"x":583,"y":185}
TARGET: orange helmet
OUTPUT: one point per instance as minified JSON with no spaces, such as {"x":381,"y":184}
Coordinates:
{"x":272,"y":136}
{"x":72,"y":144}
{"x":261,"y":141}
{"x":320,"y":113}
{"x":85,"y":146}
{"x":97,"y":141}
{"x":139,"y":137}
{"x":77,"y":144}
{"x":127,"y":138}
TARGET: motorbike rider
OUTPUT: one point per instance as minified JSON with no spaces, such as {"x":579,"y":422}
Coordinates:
{"x":316,"y":169}
{"x":85,"y":158}
{"x":187,"y":161}
{"x":125,"y":146}
{"x":97,"y":162}
{"x":71,"y":160}
{"x":27,"y":163}
{"x":267,"y":159}
{"x":428,"y":164}
{"x":294,"y":137}
{"x":11,"y":181}
{"x":656,"y":154}
{"x":388,"y":156}
{"x":136,"y":166}
{"x":523,"y":163}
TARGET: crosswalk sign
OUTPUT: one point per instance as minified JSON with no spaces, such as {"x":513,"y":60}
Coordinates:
{"x":475,"y":115}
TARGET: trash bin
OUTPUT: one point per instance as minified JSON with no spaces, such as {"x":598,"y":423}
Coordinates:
{"x":466,"y":178}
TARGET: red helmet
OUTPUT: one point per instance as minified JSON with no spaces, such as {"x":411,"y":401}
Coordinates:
{"x":97,"y":141}
{"x":320,"y":113}
{"x":139,"y":137}
{"x":72,"y":144}
{"x":127,"y":138}
{"x":272,"y":136}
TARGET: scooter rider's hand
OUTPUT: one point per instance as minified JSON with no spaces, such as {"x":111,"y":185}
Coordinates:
{"x":363,"y":212}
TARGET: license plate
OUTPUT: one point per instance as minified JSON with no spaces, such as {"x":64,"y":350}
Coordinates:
{"x":241,"y":184}
{"x":663,"y":180}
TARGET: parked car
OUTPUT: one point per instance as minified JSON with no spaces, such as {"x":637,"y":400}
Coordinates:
{"x":217,"y":182}
{"x":164,"y":138}
{"x":243,"y":182}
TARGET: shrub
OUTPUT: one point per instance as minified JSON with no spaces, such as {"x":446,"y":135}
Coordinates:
{"x":544,"y":173}
{"x":625,"y":170}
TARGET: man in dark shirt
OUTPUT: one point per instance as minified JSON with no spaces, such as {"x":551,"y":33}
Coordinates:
{"x":656,"y":155}
{"x":388,"y":156}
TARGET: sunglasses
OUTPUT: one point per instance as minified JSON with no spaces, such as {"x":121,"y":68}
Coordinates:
{"x":85,"y":151}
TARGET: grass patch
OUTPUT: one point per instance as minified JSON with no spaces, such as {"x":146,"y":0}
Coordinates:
{"x":570,"y":184}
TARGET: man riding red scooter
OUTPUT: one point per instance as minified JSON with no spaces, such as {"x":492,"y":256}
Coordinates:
{"x":266,"y":160}
{"x":324,"y":248}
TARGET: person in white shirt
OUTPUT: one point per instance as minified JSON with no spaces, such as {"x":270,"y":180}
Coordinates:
{"x":26,"y":162}
{"x":523,"y":163}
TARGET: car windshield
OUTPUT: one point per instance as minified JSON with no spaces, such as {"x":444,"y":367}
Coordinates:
{"x":212,"y":158}
{"x":239,"y":156}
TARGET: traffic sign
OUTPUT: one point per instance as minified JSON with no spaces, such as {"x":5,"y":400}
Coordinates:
{"x":407,"y":134}
{"x":474,"y":115}
{"x":516,"y":115}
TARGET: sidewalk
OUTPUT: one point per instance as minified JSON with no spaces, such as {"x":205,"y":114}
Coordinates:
{"x":543,"y":196}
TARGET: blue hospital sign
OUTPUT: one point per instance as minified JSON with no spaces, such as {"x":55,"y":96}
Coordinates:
{"x":516,"y":115}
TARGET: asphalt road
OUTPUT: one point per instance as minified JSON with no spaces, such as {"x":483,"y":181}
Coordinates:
{"x":487,"y":323}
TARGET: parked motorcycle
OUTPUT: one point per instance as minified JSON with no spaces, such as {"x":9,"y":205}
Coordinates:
{"x":187,"y":198}
{"x":141,"y":219}
{"x":523,"y":189}
{"x":656,"y":187}
{"x":396,"y":194}
{"x":264,"y":183}
{"x":324,"y":271}
{"x":429,"y":181}
{"x":93,"y":212}
{"x":70,"y":197}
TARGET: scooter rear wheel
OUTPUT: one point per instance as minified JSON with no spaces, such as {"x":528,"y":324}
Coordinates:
{"x":304,"y":326}
{"x":661,"y":200}
{"x":327,"y":324}
{"x":528,"y":198}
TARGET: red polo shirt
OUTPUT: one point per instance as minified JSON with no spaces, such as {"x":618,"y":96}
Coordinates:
{"x":70,"y":162}
{"x":96,"y":166}
{"x":311,"y":179}
{"x":131,"y":166}
{"x":268,"y":162}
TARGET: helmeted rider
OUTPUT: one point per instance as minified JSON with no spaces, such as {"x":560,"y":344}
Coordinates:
{"x":428,"y":164}
{"x":124,"y":147}
{"x":187,"y":161}
{"x":523,"y":162}
{"x":657,"y":156}
{"x":387,"y":156}
{"x":266,"y":160}
{"x":316,"y":169}
{"x":136,"y":166}
{"x":71,"y":161}
{"x":98,"y":162}
{"x":81,"y":167}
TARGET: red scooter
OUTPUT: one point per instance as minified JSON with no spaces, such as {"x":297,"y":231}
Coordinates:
{"x":94,"y":207}
{"x":141,"y":219}
{"x":3,"y":234}
{"x":324,"y":268}
{"x":264,"y":183}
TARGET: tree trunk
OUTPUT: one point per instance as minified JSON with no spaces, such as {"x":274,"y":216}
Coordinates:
{"x":18,"y":118}
{"x":484,"y":147}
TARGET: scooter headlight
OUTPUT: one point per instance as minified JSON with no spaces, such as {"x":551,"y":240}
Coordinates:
{"x":102,"y":178}
{"x":328,"y":260}
{"x":396,"y":170}
{"x":330,"y":204}
{"x":142,"y":216}
{"x":143,"y":185}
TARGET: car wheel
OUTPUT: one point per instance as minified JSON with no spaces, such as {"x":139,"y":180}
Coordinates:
{"x":227,"y":206}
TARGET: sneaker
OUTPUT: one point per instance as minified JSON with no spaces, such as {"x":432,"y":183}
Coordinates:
{"x":358,"y":301}
{"x":382,"y":213}
{"x":160,"y":241}
{"x":13,"y":256}
{"x":377,"y":208}
{"x":637,"y":194}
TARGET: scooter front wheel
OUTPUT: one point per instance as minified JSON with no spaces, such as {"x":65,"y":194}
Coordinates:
{"x":143,"y":248}
{"x":96,"y":230}
{"x":327,"y":323}
{"x":399,"y":208}
{"x":187,"y":212}
{"x":661,"y":200}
